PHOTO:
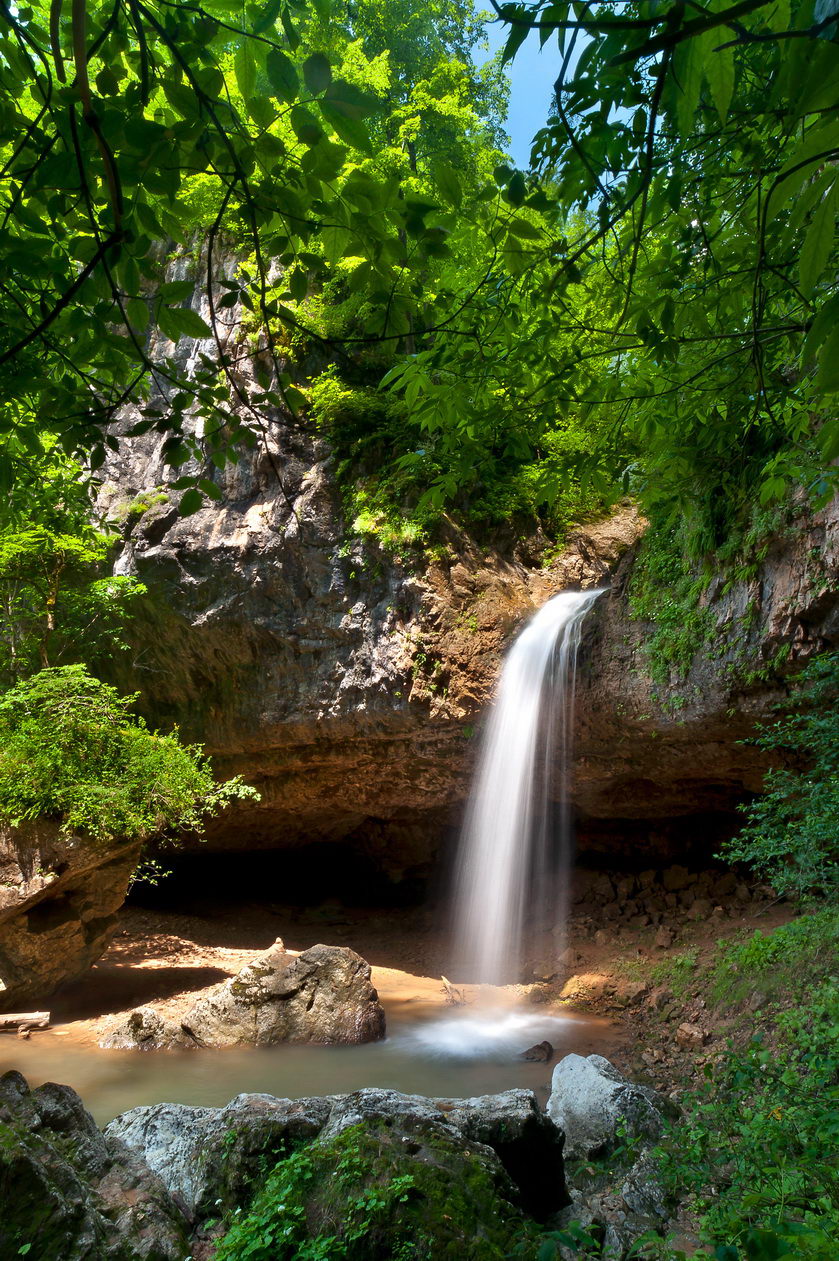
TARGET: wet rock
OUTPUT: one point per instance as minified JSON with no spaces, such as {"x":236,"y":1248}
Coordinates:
{"x":59,"y":896}
{"x":323,"y":995}
{"x":70,"y":1193}
{"x":664,"y":938}
{"x":601,"y":937}
{"x":590,"y":1100}
{"x":541,"y":1053}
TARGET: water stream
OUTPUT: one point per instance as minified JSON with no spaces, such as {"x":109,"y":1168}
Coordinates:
{"x":516,"y":848}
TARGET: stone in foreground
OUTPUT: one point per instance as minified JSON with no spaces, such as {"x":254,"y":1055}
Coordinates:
{"x":323,"y":995}
{"x":71,"y":1194}
{"x":591,"y":1101}
{"x":208,"y":1158}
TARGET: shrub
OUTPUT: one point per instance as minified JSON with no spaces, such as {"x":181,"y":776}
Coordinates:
{"x":71,"y":751}
{"x":791,"y":837}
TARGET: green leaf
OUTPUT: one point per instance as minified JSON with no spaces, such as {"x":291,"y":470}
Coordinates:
{"x":191,"y":501}
{"x":827,"y":318}
{"x":818,"y":243}
{"x":176,"y":290}
{"x":689,"y":61}
{"x":317,"y":73}
{"x":336,"y":242}
{"x":351,"y":130}
{"x":210,"y":488}
{"x":298,"y":283}
{"x":516,"y":189}
{"x":447,"y":181}
{"x":306,"y":127}
{"x":244,"y":66}
{"x":138,"y":314}
{"x":524,"y":229}
{"x":282,"y":75}
{"x":719,"y":75}
{"x":827,"y":377}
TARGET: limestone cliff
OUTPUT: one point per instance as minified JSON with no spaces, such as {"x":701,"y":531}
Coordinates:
{"x":346,"y":682}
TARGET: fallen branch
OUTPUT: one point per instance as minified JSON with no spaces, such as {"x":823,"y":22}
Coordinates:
{"x":11,"y":1021}
{"x":454,"y":996}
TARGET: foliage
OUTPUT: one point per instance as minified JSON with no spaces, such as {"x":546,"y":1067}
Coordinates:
{"x":124,"y":128}
{"x":790,"y":837}
{"x":58,"y":601}
{"x":362,"y":1197}
{"x":679,"y":558}
{"x":756,"y":1150}
{"x":70,"y":751}
{"x":674,"y":285}
{"x":777,"y":964}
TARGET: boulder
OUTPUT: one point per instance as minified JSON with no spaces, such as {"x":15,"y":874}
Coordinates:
{"x":70,"y":1193}
{"x":525,"y":1139}
{"x":380,"y":1190}
{"x":596,"y":1107}
{"x":143,"y":1030}
{"x":209,"y":1157}
{"x":323,"y":995}
{"x":59,"y":897}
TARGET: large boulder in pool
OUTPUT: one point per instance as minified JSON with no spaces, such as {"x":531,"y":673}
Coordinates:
{"x":323,"y":995}
{"x":71,"y":1194}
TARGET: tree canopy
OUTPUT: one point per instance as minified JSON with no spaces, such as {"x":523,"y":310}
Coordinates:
{"x":650,"y":306}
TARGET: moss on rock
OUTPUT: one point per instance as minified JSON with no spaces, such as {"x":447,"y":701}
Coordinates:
{"x":375,"y":1193}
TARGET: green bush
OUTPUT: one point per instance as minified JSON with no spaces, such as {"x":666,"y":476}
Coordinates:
{"x":71,"y":751}
{"x":791,"y":836}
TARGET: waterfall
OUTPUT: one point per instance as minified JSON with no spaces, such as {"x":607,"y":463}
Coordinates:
{"x":515,"y":849}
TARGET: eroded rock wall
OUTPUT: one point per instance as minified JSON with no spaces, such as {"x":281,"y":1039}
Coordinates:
{"x":348,"y":683}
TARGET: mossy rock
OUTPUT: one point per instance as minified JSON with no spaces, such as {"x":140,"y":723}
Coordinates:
{"x":67,"y":1194}
{"x":375,"y":1193}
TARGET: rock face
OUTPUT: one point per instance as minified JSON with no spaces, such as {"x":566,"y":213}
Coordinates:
{"x":208,"y":1156}
{"x":58,"y":902}
{"x":345,"y":680}
{"x":653,"y":752}
{"x":591,"y":1102}
{"x":71,"y":1194}
{"x":323,"y":996}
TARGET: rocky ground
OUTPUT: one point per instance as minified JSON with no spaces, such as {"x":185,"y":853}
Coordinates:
{"x":634,"y":955}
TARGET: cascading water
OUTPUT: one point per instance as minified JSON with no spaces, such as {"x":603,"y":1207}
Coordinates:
{"x":516,"y":849}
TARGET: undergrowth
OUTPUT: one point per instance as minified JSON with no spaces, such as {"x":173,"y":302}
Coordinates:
{"x":756,"y":1152}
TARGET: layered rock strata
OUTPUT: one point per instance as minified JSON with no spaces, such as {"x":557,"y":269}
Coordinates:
{"x":59,"y":896}
{"x":347,"y":681}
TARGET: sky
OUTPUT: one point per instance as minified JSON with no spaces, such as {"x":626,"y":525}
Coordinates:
{"x":532,"y":73}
